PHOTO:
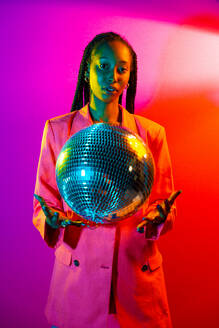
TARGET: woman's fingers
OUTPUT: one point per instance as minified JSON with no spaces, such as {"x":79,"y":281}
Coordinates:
{"x":53,"y":221}
{"x":65,"y":223}
{"x":161,"y":211}
{"x":44,"y":206}
{"x":165,"y":207}
{"x":141,"y":226}
{"x":53,"y":218}
{"x":40,"y":199}
{"x":46,"y":210}
{"x":159,"y":215}
{"x":173,"y":196}
{"x":156,"y":216}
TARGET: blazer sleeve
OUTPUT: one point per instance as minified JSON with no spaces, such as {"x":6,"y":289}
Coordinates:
{"x":163,"y":183}
{"x":46,"y":187}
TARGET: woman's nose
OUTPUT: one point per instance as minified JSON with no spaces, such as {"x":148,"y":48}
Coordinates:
{"x":113,"y":76}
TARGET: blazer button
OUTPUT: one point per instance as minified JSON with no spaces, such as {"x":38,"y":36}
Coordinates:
{"x":76,"y":263}
{"x":144,"y":268}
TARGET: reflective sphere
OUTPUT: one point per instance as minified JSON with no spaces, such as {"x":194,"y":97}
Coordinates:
{"x":105,"y":173}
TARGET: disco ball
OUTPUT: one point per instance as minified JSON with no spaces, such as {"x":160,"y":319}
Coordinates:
{"x":105,"y":173}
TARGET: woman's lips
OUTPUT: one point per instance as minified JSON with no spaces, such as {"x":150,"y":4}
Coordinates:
{"x":110,"y":90}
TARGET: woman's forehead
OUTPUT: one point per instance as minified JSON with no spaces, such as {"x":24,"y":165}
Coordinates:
{"x":113,"y":49}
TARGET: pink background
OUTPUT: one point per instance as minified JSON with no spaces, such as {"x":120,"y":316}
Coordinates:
{"x":177,"y":44}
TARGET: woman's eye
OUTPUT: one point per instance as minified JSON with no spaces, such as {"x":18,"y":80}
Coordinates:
{"x":103,"y":66}
{"x":123,"y":69}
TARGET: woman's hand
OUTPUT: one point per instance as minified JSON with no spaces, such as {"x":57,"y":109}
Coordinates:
{"x":53,"y":218}
{"x":155,"y":219}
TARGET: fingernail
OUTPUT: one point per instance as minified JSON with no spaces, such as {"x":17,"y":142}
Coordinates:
{"x":140,"y":230}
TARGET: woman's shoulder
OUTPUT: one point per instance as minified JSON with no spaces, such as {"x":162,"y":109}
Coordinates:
{"x":148,"y":124}
{"x":62,"y":118}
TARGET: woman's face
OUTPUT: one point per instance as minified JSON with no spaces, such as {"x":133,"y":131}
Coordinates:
{"x":110,"y":67}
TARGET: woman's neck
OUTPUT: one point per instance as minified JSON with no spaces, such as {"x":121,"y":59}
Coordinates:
{"x":104,"y":112}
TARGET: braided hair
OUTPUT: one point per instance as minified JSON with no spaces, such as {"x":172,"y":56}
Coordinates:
{"x":82,"y":93}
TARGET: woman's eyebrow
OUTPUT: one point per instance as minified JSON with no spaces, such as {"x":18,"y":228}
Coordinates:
{"x":121,"y":61}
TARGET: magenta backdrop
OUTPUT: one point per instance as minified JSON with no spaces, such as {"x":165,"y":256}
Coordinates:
{"x":41,"y":46}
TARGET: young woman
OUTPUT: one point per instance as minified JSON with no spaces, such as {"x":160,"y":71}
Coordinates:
{"x":110,"y":276}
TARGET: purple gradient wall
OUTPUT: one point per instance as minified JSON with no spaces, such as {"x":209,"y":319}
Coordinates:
{"x":41,"y":46}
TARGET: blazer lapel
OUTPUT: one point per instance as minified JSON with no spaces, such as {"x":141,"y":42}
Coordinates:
{"x":131,"y":122}
{"x":83,"y":119}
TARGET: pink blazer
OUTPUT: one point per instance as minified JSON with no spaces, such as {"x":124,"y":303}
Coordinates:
{"x":89,"y":262}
